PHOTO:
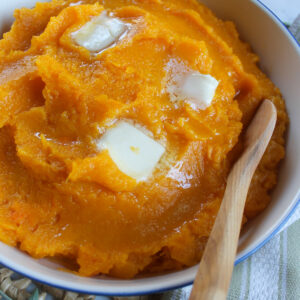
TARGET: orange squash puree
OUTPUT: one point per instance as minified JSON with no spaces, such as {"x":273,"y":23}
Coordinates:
{"x":60,"y":198}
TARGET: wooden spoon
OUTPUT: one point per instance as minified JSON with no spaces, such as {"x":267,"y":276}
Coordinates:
{"x":215,"y":270}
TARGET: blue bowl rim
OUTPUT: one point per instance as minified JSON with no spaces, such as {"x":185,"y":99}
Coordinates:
{"x":241,"y":259}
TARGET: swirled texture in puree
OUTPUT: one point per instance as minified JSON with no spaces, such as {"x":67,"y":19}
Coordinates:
{"x":57,"y":99}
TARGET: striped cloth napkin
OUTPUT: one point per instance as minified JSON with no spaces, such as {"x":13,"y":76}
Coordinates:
{"x":273,"y":272}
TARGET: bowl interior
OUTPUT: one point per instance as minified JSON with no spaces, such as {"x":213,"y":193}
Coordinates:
{"x":280,"y":59}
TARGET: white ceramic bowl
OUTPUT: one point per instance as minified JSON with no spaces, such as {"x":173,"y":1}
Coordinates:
{"x":280,"y":59}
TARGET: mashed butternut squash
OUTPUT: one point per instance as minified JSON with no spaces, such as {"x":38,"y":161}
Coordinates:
{"x":60,"y":196}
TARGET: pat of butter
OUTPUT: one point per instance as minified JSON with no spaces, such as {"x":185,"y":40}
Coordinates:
{"x":197,"y":88}
{"x":132,"y":151}
{"x":99,"y":33}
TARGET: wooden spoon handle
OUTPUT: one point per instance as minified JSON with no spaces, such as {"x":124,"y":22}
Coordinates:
{"x":214,"y":274}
